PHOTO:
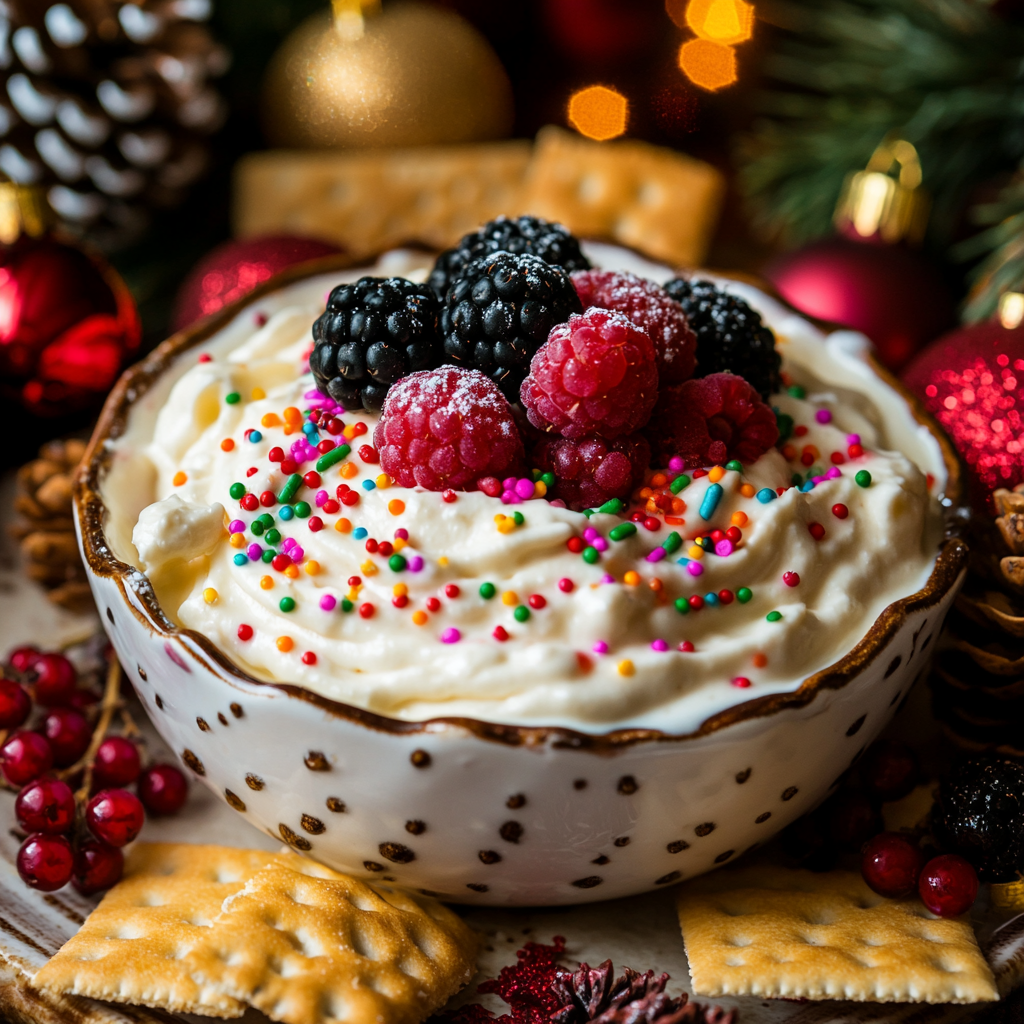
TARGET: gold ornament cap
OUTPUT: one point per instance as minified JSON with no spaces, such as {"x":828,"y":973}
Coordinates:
{"x":23,"y":211}
{"x":874,"y":203}
{"x":1008,"y":895}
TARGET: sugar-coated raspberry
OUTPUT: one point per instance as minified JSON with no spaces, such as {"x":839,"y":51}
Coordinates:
{"x":590,"y":471}
{"x":596,"y":374}
{"x":710,"y":420}
{"x":650,"y":307}
{"x":447,"y":428}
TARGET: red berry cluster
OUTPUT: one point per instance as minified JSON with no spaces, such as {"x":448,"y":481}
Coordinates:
{"x":47,"y":722}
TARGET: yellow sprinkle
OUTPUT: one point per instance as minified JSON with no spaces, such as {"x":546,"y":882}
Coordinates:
{"x":343,"y":525}
{"x":258,"y":393}
{"x":349,"y":470}
{"x":179,"y":478}
{"x":349,"y":432}
{"x":510,"y":598}
{"x":353,"y":593}
{"x":291,"y":571}
{"x":631,"y":579}
{"x":696,"y":552}
{"x":626,"y":667}
{"x":500,"y":517}
{"x":715,"y":474}
{"x":400,"y":590}
{"x":399,"y":543}
{"x":442,"y":561}
{"x":419,"y":618}
{"x":368,"y":568}
{"x":747,"y":490}
{"x":539,"y":489}
{"x":312,"y":567}
{"x":285,"y":644}
{"x":396,"y":506}
{"x":267,"y":582}
{"x":506,"y":526}
{"x":237,"y":540}
{"x":210,"y":595}
{"x":270,"y":419}
{"x":383,"y":481}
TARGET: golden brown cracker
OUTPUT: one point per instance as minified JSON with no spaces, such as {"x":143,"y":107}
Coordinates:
{"x":132,"y":947}
{"x":307,"y":945}
{"x":776,"y":933}
{"x":663,"y":203}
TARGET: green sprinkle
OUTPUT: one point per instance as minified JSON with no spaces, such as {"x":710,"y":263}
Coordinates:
{"x":673,"y":542}
{"x":522,"y":613}
{"x":332,"y":458}
{"x":237,"y":491}
{"x":682,"y":606}
{"x":773,"y":616}
{"x":785,"y":424}
{"x":233,"y":398}
{"x":796,"y":479}
{"x":588,"y":512}
{"x":622,"y":531}
{"x":591,"y":555}
{"x":744,"y":594}
{"x":734,"y":464}
{"x":268,"y":556}
{"x":302,"y":509}
{"x":815,"y":471}
{"x":266,"y":519}
{"x":679,"y":483}
{"x":346,"y":605}
{"x":796,"y":391}
{"x":706,"y":543}
{"x":291,"y":485}
{"x":548,"y":479}
{"x":396,"y":563}
{"x":613,"y":505}
{"x":286,"y":604}
{"x":256,"y":528}
{"x":487,"y":591}
{"x":273,"y":536}
{"x":518,"y":518}
{"x":535,"y":475}
{"x":863,"y":478}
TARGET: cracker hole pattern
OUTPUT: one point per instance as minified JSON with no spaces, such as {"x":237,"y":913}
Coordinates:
{"x":142,"y":673}
{"x":159,"y":701}
{"x":579,"y":784}
{"x":254,"y":782}
{"x":677,"y":846}
{"x":513,"y":803}
{"x":762,"y":818}
{"x":372,"y":865}
{"x":893,"y":665}
{"x":489,"y":856}
{"x":622,"y":841}
{"x":723,"y":857}
{"x":790,"y":792}
{"x":601,"y":861}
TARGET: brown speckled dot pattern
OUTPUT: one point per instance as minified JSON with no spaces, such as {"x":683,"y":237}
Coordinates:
{"x":420,"y":759}
{"x":677,"y":846}
{"x":477,"y":886}
{"x":193,"y":762}
{"x":627,"y":787}
{"x":416,"y":827}
{"x":336,"y":805}
{"x":672,"y":876}
{"x":762,"y":818}
{"x":602,"y":860}
{"x":396,"y":853}
{"x":489,"y":856}
{"x":723,"y":857}
{"x":142,"y":673}
{"x":234,"y":800}
{"x":372,"y":865}
{"x":513,"y":803}
{"x":236,"y":710}
{"x":855,"y":728}
{"x":788,"y":794}
{"x":587,"y":883}
{"x":742,"y":776}
{"x":893,"y":665}
{"x":159,"y":701}
{"x":314,"y":826}
{"x":706,"y":829}
{"x":294,"y":839}
{"x":221,"y":718}
{"x":316,"y":761}
{"x":254,"y":782}
{"x":511,"y":831}
{"x":204,"y":726}
{"x":622,"y":841}
{"x":579,"y":784}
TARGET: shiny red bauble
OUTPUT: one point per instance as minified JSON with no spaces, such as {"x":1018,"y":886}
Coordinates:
{"x":45,"y":862}
{"x":115,"y":816}
{"x":234,"y":269}
{"x":15,"y":704}
{"x":948,"y":885}
{"x":55,"y":680}
{"x":97,"y":866}
{"x":889,"y":770}
{"x":162,"y":789}
{"x":45,"y":805}
{"x":889,"y":292}
{"x":21,"y":659}
{"x":117,"y":762}
{"x":24,"y":757}
{"x":68,"y":732}
{"x":891,"y":864}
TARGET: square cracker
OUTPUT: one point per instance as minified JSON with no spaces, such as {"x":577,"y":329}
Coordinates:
{"x":661,"y":202}
{"x":131,"y":948}
{"x":307,"y":945}
{"x":778,"y":933}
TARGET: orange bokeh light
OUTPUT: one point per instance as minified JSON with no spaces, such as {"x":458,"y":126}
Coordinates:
{"x":720,"y":21}
{"x":709,"y":65}
{"x":598,"y":112}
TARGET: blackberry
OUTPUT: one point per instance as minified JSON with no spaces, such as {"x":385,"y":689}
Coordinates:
{"x":552,"y":242}
{"x":980,"y":815}
{"x":373,"y":333}
{"x":499,"y":312}
{"x":730,"y":335}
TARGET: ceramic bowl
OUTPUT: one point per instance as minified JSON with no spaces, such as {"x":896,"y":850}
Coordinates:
{"x":488,"y":813}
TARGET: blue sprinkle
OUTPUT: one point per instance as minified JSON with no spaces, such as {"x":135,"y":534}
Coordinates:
{"x":809,"y":486}
{"x":765,"y":495}
{"x":712,"y":496}
{"x":359,"y":532}
{"x":241,"y":559}
{"x":286,"y":512}
{"x":369,"y":485}
{"x":309,"y":427}
{"x":313,"y":438}
{"x":255,"y":436}
{"x":711,"y":600}
{"x":683,"y":561}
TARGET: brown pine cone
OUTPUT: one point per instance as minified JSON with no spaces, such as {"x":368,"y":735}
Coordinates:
{"x":47,"y":531}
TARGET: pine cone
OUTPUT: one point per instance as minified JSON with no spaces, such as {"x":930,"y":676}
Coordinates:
{"x":107,"y":104}
{"x":47,"y":531}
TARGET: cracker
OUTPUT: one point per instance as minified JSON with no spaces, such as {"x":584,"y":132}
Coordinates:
{"x":131,"y":948}
{"x":307,"y":945}
{"x":776,"y":933}
{"x":652,"y":199}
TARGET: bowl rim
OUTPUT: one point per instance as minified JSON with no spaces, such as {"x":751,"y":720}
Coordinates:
{"x":101,"y":561}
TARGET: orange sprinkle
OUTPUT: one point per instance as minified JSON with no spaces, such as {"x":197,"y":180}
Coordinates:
{"x":652,"y":507}
{"x":747,"y":490}
{"x":659,"y":480}
{"x":292,"y":415}
{"x":270,"y":419}
{"x":760,"y":660}
{"x":291,"y":571}
{"x":655,"y":584}
{"x":678,"y":505}
{"x":368,"y":568}
{"x":349,"y":432}
{"x":788,"y":452}
{"x":399,"y":543}
{"x":227,"y":445}
{"x":738,"y":519}
{"x":645,"y":492}
{"x":715,"y":474}
{"x":419,"y":618}
{"x":396,"y":506}
{"x":343,"y":525}
{"x":267,"y":582}
{"x":675,"y":521}
{"x":236,"y":540}
{"x":312,"y":567}
{"x":285,"y":644}
{"x":349,"y":470}
{"x":290,"y":428}
{"x":179,"y":478}
{"x":400,"y":590}
{"x":631,"y":578}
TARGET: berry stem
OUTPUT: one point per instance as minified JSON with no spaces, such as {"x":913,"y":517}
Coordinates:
{"x":111,"y":699}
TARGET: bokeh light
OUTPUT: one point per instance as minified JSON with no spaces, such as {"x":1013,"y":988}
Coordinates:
{"x":722,"y":21}
{"x":710,"y":65}
{"x":598,"y":112}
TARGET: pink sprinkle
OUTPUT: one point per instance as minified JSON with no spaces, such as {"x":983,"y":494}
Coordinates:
{"x":600,"y":543}
{"x":288,"y":543}
{"x":510,"y":498}
{"x":853,"y":438}
{"x":694,"y":568}
{"x":328,"y":603}
{"x":415,"y":564}
{"x":823,"y":416}
{"x":819,"y":479}
{"x":557,"y":503}
{"x":724,"y":548}
{"x":297,"y":554}
{"x":260,"y":319}
{"x":237,"y":526}
{"x":254,"y":552}
{"x":676,"y":464}
{"x":451,"y":636}
{"x":590,"y":535}
{"x":566,"y":585}
{"x":659,"y":645}
{"x":741,"y":681}
{"x":656,"y":555}
{"x":833,"y":472}
{"x":607,"y":578}
{"x":524,"y":488}
{"x":205,"y":357}
{"x":686,"y":647}
{"x":509,"y":483}
{"x":321,"y":497}
{"x":600,"y":647}
{"x":401,"y":533}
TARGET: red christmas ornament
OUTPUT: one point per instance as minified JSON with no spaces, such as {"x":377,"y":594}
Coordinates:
{"x":972,"y":382}
{"x":235,"y":268}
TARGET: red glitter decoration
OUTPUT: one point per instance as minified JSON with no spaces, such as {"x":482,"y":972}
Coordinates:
{"x":972,"y":381}
{"x":526,"y":985}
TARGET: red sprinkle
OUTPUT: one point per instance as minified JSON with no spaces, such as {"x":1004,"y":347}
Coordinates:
{"x":249,"y":502}
{"x":325,"y":446}
{"x":358,"y":428}
{"x":716,"y":536}
{"x":385,"y":549}
{"x":575,"y":545}
{"x":452,"y":590}
{"x":566,"y":585}
{"x":725,"y":596}
{"x":369,"y":454}
{"x":791,"y":579}
{"x":281,"y":562}
{"x":652,"y":524}
{"x":500,"y":634}
{"x":288,"y":466}
{"x":838,"y":458}
{"x":449,"y":496}
{"x":800,"y":431}
{"x":330,"y":506}
{"x":315,"y":523}
{"x":350,"y":497}
{"x":355,"y":581}
{"x":741,"y":681}
{"x":698,"y":473}
{"x":855,"y":451}
{"x":268,"y":499}
{"x":312,"y":479}
{"x":309,"y":658}
{"x":490,"y":485}
{"x":433,"y":604}
{"x":696,"y":602}
{"x":366,"y":610}
{"x":205,"y":357}
{"x":840,"y":511}
{"x":275,"y":455}
{"x":244,"y":632}
{"x":735,"y":534}
{"x":400,"y":601}
{"x":816,"y":530}
{"x":537,"y":601}
{"x":686,"y":647}
{"x":371,"y":545}
{"x":335,"y":426}
{"x":251,"y":471}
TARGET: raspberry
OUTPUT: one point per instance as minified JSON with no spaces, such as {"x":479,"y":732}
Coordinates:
{"x":590,"y":471}
{"x":649,"y":307}
{"x":447,"y":428}
{"x":709,"y":420}
{"x":596,"y":374}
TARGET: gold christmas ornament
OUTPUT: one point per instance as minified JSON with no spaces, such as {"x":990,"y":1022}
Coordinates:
{"x":363,"y":76}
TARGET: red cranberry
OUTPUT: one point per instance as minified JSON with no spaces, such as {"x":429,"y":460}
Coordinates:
{"x":82,"y":699}
{"x":15,"y":704}
{"x":948,"y":885}
{"x":889,"y":770}
{"x":97,"y":867}
{"x":115,"y":816}
{"x":117,"y":762}
{"x":45,"y":862}
{"x":56,"y":679}
{"x":25,"y":756}
{"x":46,"y":805}
{"x":162,"y":789}
{"x":890,"y":865}
{"x":21,"y":659}
{"x":69,"y":734}
{"x":853,"y":821}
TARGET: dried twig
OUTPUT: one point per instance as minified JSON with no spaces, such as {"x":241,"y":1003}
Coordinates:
{"x":110,"y":703}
